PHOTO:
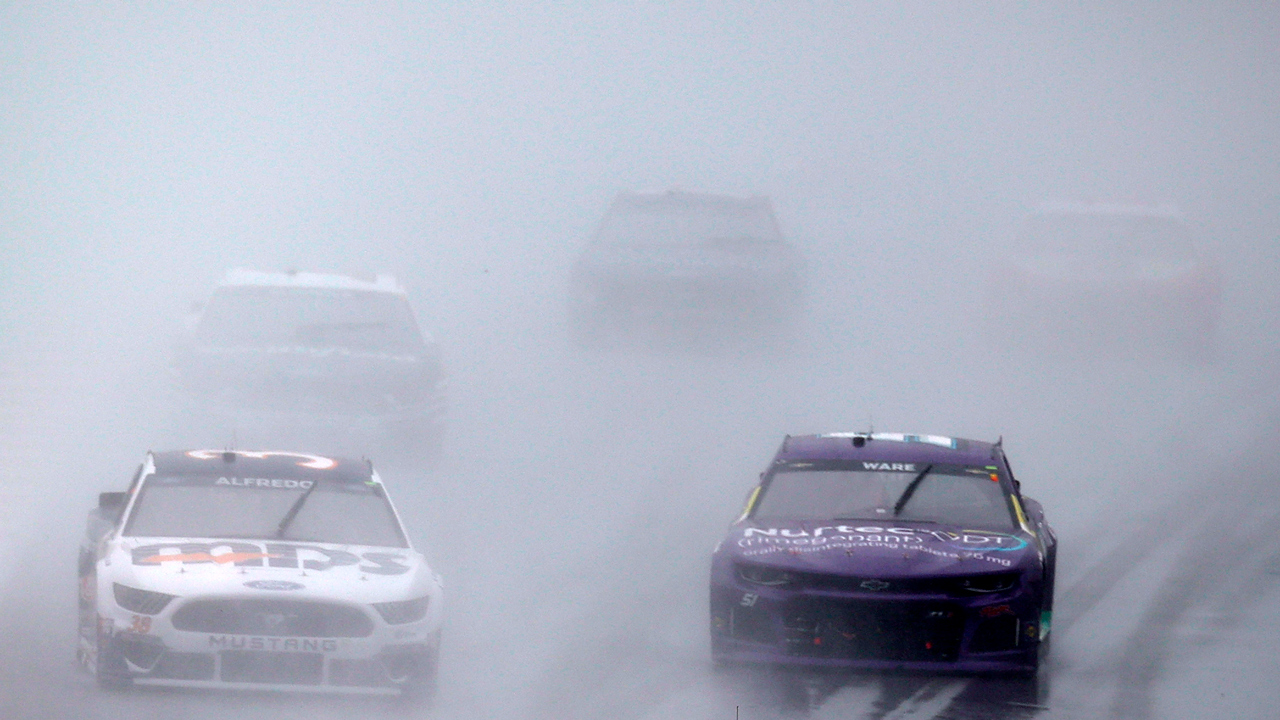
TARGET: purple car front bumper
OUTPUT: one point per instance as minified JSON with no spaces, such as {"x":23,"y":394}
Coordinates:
{"x":999,"y":633}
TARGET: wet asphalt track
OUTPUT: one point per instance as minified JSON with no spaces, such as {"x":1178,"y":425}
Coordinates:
{"x":581,"y":492}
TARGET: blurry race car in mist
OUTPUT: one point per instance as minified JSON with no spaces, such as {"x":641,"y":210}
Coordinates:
{"x":312,"y":360}
{"x":1097,"y":276}
{"x":680,"y":263}
{"x":885,"y":551}
{"x":256,"y":570}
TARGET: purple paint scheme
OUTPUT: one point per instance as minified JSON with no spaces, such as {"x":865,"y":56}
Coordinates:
{"x":885,"y":551}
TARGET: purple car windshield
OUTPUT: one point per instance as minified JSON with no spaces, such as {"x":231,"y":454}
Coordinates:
{"x":953,"y":495}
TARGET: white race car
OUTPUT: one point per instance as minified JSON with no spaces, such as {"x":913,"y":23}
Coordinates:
{"x":311,"y":360}
{"x":680,"y":262}
{"x":1099,"y":276}
{"x":256,"y":570}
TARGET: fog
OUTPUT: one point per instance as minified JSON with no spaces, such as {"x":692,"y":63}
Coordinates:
{"x":472,"y":149}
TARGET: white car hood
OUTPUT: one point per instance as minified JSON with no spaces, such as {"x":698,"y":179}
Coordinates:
{"x":201,"y":566}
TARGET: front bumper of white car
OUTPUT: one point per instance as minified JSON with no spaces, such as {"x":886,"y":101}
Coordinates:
{"x":297,"y":645}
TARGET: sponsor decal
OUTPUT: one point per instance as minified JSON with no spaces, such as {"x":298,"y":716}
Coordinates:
{"x":274,"y":644}
{"x":980,"y":539}
{"x":963,"y":555}
{"x":962,"y":545}
{"x":939,"y":440}
{"x":203,"y":557}
{"x":992,"y":611}
{"x":274,"y":585}
{"x":964,"y":540}
{"x":276,"y":555}
{"x":892,"y":467}
{"x":282,"y":483}
{"x":900,"y":532}
{"x":316,"y":462}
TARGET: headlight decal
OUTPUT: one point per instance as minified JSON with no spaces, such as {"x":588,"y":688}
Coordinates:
{"x":143,"y":602}
{"x":762,"y":575}
{"x":403,"y":611}
{"x":987,"y":584}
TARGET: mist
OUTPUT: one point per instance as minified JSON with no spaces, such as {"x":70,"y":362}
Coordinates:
{"x":471,"y":151}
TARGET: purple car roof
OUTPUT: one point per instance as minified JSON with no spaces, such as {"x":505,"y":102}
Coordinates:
{"x":886,"y":447}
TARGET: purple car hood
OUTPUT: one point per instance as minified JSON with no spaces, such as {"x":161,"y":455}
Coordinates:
{"x":865,"y":547}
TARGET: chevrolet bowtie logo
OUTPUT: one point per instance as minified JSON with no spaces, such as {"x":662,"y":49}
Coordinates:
{"x":875,"y":585}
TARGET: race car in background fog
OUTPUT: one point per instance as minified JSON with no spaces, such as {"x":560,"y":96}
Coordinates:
{"x":314,"y":361}
{"x":885,"y":551}
{"x":681,"y":263}
{"x":1098,"y":276}
{"x":256,"y":570}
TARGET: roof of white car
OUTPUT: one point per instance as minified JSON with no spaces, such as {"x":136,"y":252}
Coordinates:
{"x":242,"y":277}
{"x":675,"y":198}
{"x":261,"y":464}
{"x":1160,"y":210}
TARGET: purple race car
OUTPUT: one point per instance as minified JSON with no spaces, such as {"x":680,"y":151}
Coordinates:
{"x":885,"y":551}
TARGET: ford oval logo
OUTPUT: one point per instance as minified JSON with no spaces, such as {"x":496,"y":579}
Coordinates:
{"x":873,"y":585}
{"x":273,"y":585}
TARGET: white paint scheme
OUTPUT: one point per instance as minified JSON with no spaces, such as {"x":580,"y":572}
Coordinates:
{"x":242,"y":276}
{"x":1111,"y":209}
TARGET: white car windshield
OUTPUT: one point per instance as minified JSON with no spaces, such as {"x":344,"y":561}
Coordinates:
{"x":945,"y":494}
{"x":309,"y":317}
{"x":688,"y":224}
{"x":1107,"y":238}
{"x":260,"y":508}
